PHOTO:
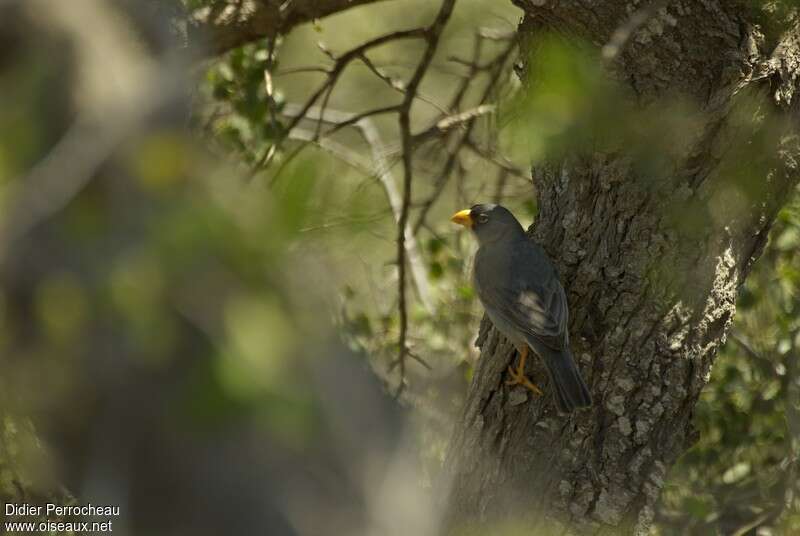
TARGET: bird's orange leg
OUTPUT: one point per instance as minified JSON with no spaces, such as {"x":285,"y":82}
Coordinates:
{"x":518,"y":376}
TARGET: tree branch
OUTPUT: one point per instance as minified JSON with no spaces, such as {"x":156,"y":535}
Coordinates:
{"x":432,"y":35}
{"x":333,"y":76}
{"x":378,"y":168}
{"x":213,"y":30}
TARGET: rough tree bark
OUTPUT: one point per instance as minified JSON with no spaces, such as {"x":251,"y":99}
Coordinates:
{"x":650,"y":297}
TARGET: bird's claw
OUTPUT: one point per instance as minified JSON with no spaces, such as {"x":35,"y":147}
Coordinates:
{"x":518,"y":378}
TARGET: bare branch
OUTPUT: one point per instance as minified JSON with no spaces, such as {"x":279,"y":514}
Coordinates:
{"x":468,"y":118}
{"x":501,"y":162}
{"x":356,"y":118}
{"x":452,"y":117}
{"x":339,"y":65}
{"x":379,"y":168}
{"x":432,"y":35}
{"x":397,"y":84}
{"x":340,"y":151}
{"x":445,"y":124}
{"x":215,"y":29}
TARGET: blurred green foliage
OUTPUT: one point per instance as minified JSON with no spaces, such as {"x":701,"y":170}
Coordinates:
{"x":572,"y":104}
{"x":743,"y":470}
{"x":242,"y":116}
{"x":162,"y":245}
{"x":744,"y":464}
{"x":171,"y":256}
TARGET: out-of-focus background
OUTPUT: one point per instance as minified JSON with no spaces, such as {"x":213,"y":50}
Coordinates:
{"x":199,"y":312}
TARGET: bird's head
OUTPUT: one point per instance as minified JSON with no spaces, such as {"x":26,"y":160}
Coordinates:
{"x":489,"y":222}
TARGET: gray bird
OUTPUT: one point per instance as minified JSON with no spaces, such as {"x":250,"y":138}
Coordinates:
{"x":520,"y":290}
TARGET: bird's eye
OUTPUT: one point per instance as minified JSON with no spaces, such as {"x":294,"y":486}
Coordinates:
{"x":483,"y":218}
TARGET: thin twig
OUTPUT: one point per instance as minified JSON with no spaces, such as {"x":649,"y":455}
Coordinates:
{"x":299,"y":70}
{"x":495,"y":34}
{"x":383,"y":171}
{"x":268,"y":84}
{"x":502,"y":163}
{"x":445,"y":124}
{"x":342,"y":152}
{"x":361,"y":116}
{"x":500,"y":185}
{"x":333,"y":76}
{"x":344,"y":120}
{"x":792,"y":416}
{"x":748,"y":349}
{"x":469,"y":123}
{"x":397,"y":84}
{"x":379,"y":168}
{"x":432,"y":35}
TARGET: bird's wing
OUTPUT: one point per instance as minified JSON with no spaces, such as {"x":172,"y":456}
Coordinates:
{"x":538,"y":310}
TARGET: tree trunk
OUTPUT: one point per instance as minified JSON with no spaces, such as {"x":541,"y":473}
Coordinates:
{"x":651,"y":260}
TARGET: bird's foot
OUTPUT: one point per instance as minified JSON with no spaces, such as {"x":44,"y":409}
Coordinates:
{"x":518,"y":378}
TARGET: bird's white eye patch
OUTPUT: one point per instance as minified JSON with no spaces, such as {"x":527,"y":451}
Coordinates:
{"x":483,"y":218}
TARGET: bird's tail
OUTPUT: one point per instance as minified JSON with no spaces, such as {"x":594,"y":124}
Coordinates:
{"x":569,"y":389}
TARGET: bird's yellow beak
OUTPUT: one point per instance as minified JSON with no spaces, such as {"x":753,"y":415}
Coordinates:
{"x":462,"y":217}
